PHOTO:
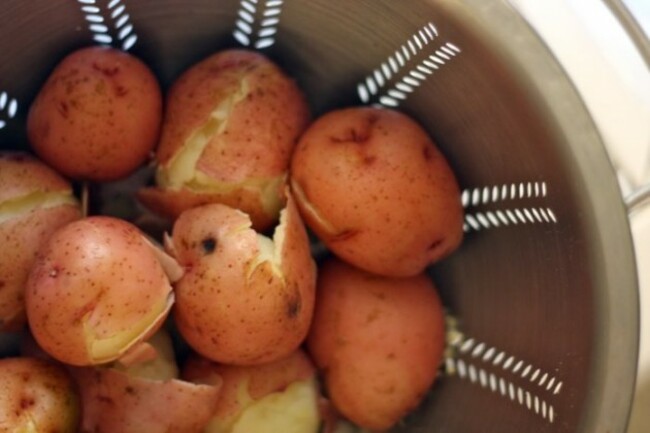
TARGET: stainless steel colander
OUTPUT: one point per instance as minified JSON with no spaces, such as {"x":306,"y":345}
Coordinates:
{"x":543,"y":287}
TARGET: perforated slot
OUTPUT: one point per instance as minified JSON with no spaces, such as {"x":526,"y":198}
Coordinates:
{"x":496,"y":370}
{"x":257,"y":23}
{"x":8,"y":108}
{"x":497,"y":194}
{"x":100,"y":15}
{"x":412,"y":52}
{"x":500,"y":386}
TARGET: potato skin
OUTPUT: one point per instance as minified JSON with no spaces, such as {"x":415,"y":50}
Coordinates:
{"x":98,"y":115}
{"x":230,"y":307}
{"x":243,"y":385}
{"x":116,"y":402}
{"x":36,"y":394}
{"x":378,"y":342}
{"x":94,"y":279}
{"x":262,"y":126}
{"x":372,"y":185}
{"x":22,"y":235}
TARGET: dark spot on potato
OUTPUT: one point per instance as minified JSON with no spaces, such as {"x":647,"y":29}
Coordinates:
{"x":351,"y":136}
{"x":62,"y":108}
{"x":109,"y":71}
{"x":26,"y":403}
{"x":2,"y":284}
{"x":426,"y":152}
{"x":209,"y":245}
{"x":293,"y":307}
{"x":121,"y":91}
{"x":369,"y":160}
{"x":129,"y":390}
{"x":435,"y":244}
{"x":344,"y":235}
{"x":374,"y":315}
{"x":106,"y":400}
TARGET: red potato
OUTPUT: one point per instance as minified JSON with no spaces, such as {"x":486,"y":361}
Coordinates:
{"x":34,"y":202}
{"x":116,"y":402}
{"x":231,"y":123}
{"x":245,"y":299}
{"x":98,"y":115}
{"x":96,"y":291}
{"x":372,"y":185}
{"x":36,"y":396}
{"x":281,"y":396}
{"x":378,"y":342}
{"x":145,"y":396}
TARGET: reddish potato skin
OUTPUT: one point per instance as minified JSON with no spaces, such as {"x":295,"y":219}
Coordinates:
{"x":99,"y":271}
{"x":230,"y":312}
{"x":385,"y":198}
{"x":261,"y":132}
{"x":115,"y":402}
{"x":378,"y":342}
{"x":38,"y":391}
{"x":21,"y":237}
{"x":172,"y":203}
{"x":22,"y":174}
{"x":98,"y":115}
{"x":260,"y":380}
{"x":262,"y":129}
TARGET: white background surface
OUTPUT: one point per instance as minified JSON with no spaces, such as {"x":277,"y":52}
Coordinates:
{"x":615,"y":83}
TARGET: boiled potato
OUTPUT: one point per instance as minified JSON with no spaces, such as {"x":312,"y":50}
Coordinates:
{"x":245,"y":299}
{"x":96,"y":291}
{"x":373,"y":186}
{"x":98,"y":115}
{"x":36,"y":397}
{"x":377,"y":340}
{"x":231,"y":123}
{"x":145,"y":396}
{"x":34,"y":202}
{"x":281,"y":396}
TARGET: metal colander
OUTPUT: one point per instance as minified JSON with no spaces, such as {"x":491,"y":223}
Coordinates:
{"x":543,"y":288}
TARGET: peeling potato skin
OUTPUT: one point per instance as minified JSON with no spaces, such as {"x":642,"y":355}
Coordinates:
{"x":262,"y":129}
{"x":22,"y":174}
{"x":385,"y":197}
{"x":115,"y":402}
{"x":98,"y":266}
{"x":228,"y":311}
{"x":22,"y":237}
{"x":101,"y":105}
{"x":40,"y":391}
{"x":260,"y":381}
{"x":260,"y":134}
{"x":378,"y":341}
{"x":172,"y":203}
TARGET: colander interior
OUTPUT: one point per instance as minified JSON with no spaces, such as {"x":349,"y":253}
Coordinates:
{"x":543,"y":285}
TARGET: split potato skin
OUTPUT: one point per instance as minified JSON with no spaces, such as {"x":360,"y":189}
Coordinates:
{"x":245,"y":387}
{"x":231,"y":124}
{"x":375,"y":189}
{"x":378,"y":342}
{"x":117,"y":402}
{"x":96,"y":290}
{"x":103,"y":106}
{"x":34,"y":202}
{"x":244,"y":300}
{"x":37,"y":396}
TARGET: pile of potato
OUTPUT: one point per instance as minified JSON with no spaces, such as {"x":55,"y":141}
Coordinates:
{"x":276,"y":342}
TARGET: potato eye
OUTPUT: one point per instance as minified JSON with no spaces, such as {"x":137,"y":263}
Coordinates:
{"x":209,"y":245}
